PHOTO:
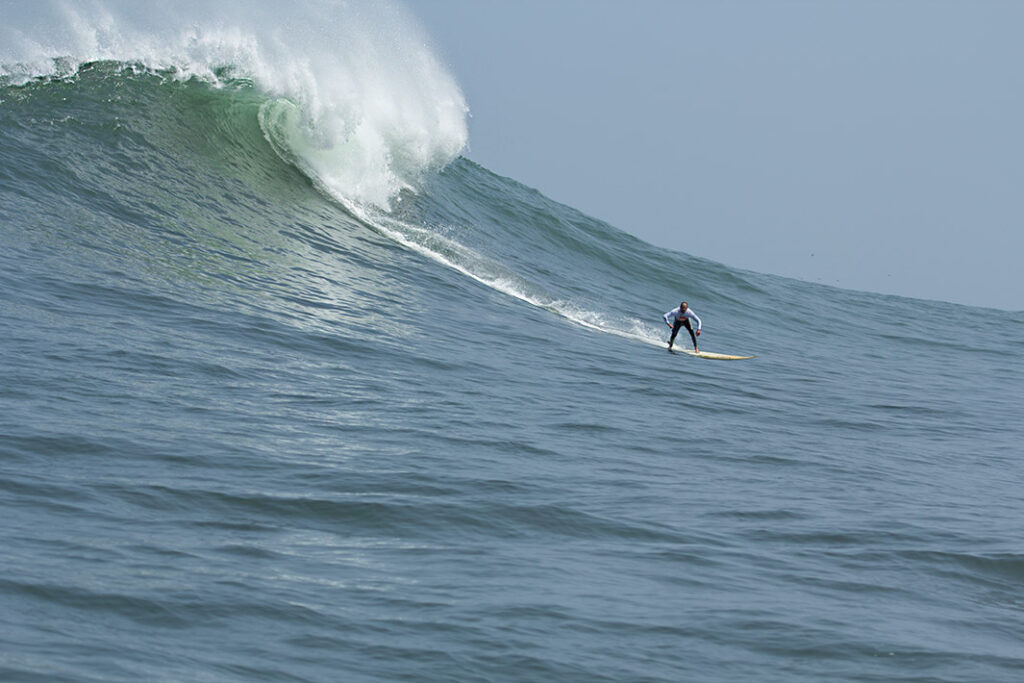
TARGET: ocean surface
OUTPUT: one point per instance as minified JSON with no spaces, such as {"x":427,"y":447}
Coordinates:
{"x":292,"y":390}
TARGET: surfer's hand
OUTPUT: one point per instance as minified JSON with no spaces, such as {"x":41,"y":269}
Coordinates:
{"x":698,"y":333}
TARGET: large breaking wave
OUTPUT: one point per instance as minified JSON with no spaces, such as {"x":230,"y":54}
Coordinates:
{"x":355,"y":97}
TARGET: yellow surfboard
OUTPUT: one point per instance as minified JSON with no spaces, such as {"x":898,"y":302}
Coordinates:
{"x":709,"y":355}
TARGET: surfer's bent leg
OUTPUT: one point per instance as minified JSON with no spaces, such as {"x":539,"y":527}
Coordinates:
{"x":675,"y":330}
{"x":689,"y":328}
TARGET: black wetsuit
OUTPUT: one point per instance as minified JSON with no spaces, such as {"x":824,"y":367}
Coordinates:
{"x":680,"y":323}
{"x":678,"y":318}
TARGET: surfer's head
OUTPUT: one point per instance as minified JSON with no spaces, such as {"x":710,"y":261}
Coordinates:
{"x":683,"y":306}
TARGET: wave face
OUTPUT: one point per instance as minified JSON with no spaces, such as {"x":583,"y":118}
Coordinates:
{"x":290,"y":390}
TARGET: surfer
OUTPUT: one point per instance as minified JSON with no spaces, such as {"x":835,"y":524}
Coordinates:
{"x":681,"y":317}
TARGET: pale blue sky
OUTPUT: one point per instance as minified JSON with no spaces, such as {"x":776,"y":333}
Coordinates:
{"x":874,"y":145}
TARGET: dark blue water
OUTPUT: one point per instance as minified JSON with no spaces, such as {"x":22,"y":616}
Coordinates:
{"x":251,"y":431}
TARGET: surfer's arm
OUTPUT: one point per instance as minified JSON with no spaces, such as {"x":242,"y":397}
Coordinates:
{"x":694,"y":315}
{"x":665,"y":318}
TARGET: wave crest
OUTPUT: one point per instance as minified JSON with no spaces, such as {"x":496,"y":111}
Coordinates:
{"x":356,"y":98}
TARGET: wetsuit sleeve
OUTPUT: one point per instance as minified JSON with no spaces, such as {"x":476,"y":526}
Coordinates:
{"x":666,"y":316}
{"x":697,"y":319}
